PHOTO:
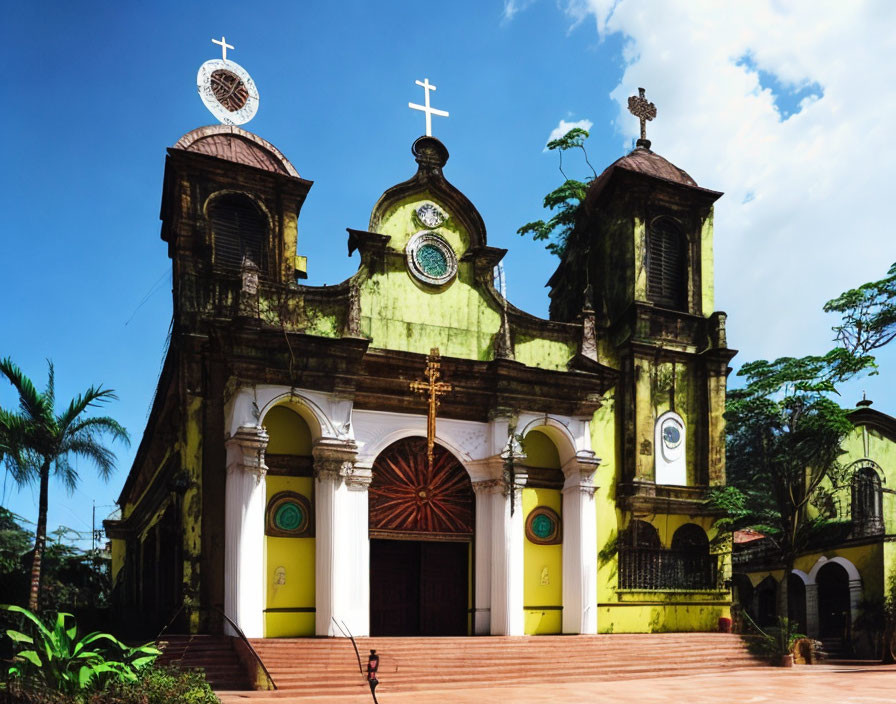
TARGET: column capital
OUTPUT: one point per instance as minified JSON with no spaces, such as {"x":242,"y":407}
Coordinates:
{"x":246,"y":448}
{"x":334,"y":460}
{"x":487,"y":486}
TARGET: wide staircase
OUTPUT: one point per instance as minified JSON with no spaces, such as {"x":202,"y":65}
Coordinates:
{"x":328,"y":667}
{"x":212,"y":654}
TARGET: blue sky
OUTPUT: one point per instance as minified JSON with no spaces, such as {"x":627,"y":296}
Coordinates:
{"x":747,"y":98}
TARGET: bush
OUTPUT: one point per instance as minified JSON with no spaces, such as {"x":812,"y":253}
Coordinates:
{"x":54,"y":658}
{"x":158,"y":685}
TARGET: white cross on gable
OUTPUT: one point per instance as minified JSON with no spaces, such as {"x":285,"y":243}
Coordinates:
{"x":426,"y":109}
{"x":224,"y":46}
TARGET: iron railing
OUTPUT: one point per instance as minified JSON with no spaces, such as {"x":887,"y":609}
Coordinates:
{"x":656,"y":568}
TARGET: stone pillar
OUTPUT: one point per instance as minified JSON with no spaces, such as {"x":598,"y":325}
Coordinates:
{"x":244,"y":586}
{"x":482,"y":570}
{"x":580,"y":548}
{"x":855,"y":598}
{"x":507,"y":533}
{"x":812,"y":627}
{"x":342,"y":545}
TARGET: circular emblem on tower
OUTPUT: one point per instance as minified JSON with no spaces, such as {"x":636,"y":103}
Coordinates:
{"x":227,"y":89}
{"x":430,"y":215}
{"x":431,"y":259}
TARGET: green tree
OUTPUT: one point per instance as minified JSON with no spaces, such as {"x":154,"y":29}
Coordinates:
{"x":867,"y":315}
{"x":41,"y":442}
{"x":784,"y":441}
{"x":566,"y":200}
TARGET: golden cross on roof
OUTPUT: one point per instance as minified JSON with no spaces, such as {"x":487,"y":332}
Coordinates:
{"x":434,"y":388}
{"x":224,"y":47}
{"x":644,"y":111}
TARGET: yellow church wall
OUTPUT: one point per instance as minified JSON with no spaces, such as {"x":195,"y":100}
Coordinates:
{"x":542,"y":571}
{"x":707,"y":267}
{"x":868,"y":559}
{"x":542,"y":564}
{"x":289,"y":562}
{"x":296,"y":557}
{"x":191,"y":458}
{"x":400,"y":313}
{"x":661,"y":616}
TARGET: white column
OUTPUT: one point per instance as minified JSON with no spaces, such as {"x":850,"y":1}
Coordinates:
{"x":244,"y":530}
{"x":812,"y":628}
{"x":482,"y":571}
{"x":579,"y":551}
{"x":507,"y":618}
{"x":342,"y":545}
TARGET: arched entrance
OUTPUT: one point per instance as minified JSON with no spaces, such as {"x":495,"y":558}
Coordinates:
{"x":421,"y":533}
{"x":796,"y":601}
{"x":833,"y":604}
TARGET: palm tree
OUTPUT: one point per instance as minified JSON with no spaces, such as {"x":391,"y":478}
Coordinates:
{"x":38,"y":442}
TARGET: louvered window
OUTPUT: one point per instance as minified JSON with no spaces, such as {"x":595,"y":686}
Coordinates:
{"x":666,"y":265}
{"x":239,"y":230}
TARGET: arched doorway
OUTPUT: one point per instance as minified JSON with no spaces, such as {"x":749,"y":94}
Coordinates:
{"x":796,"y":601}
{"x":421,"y":533}
{"x":766,"y":602}
{"x":834,"y":618}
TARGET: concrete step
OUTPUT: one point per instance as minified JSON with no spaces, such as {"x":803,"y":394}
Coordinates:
{"x":328,"y":666}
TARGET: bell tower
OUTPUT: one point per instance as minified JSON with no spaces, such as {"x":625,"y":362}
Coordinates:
{"x":641,"y":261}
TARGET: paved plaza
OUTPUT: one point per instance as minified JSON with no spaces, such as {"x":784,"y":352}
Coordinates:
{"x":820,"y":683}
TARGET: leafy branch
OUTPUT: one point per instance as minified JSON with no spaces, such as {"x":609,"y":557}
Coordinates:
{"x":564,"y":200}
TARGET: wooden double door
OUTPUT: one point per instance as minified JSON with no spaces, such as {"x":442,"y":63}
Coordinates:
{"x":418,"y":587}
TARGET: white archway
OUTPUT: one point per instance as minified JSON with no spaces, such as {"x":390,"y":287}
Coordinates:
{"x":318,"y":422}
{"x":851,"y":570}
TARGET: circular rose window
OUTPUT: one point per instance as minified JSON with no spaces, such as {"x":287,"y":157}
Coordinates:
{"x":431,"y":259}
{"x":289,"y":516}
{"x":543,"y":526}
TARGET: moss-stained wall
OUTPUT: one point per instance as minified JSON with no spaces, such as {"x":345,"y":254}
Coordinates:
{"x":707,"y":267}
{"x":401,"y":313}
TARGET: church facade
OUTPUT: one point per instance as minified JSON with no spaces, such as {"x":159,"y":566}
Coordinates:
{"x":407,"y":453}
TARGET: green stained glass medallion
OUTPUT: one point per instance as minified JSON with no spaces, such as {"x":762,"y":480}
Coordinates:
{"x":432,"y":260}
{"x":289,"y":516}
{"x":542,"y":526}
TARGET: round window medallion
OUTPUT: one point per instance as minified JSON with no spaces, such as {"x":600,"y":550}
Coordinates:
{"x":431,"y":259}
{"x":430,"y":215}
{"x":289,"y":516}
{"x":228,"y":91}
{"x":543,"y":526}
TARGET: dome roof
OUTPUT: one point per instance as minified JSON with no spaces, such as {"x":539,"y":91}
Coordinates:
{"x":643,"y":161}
{"x":235,"y":144}
{"x":647,"y":162}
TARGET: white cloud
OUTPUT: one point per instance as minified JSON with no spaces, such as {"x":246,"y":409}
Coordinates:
{"x":512,"y":7}
{"x":563,"y":127}
{"x":806,"y":212}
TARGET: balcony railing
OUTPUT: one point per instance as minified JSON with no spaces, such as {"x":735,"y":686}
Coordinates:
{"x":655,"y":568}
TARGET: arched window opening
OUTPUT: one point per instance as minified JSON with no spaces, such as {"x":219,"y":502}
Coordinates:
{"x":639,"y":547}
{"x":867,"y":510}
{"x":645,"y":564}
{"x":691,"y":564}
{"x":666,"y":265}
{"x":239,"y":231}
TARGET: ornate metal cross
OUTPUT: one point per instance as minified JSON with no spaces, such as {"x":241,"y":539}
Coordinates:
{"x":434,"y":388}
{"x":427,"y":110}
{"x":644,"y":111}
{"x":224,"y":47}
